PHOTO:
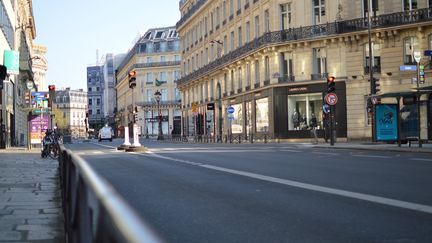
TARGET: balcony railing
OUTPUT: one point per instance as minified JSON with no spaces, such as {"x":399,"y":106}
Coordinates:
{"x":310,"y":32}
{"x":286,"y":78}
{"x":157,"y":64}
{"x":376,"y":69}
{"x":154,"y":103}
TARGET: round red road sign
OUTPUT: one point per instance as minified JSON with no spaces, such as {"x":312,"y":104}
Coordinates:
{"x":331,"y":99}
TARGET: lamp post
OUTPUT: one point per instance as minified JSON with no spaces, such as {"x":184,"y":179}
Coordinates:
{"x":157,"y":96}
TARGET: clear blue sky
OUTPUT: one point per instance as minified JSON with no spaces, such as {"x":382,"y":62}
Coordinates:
{"x":73,"y":31}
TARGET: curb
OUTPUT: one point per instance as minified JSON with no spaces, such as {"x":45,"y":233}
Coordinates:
{"x":410,"y":150}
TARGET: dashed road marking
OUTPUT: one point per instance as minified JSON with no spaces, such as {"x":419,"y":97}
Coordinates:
{"x":420,"y":159}
{"x":325,"y":153}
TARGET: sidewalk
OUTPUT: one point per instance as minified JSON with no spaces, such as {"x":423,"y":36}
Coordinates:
{"x":426,"y":148}
{"x":30,"y":203}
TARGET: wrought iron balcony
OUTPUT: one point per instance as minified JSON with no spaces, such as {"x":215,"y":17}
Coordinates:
{"x":309,"y":32}
{"x":376,"y":69}
{"x":157,"y":64}
{"x":286,"y":78}
{"x":318,"y":76}
{"x":154,"y":103}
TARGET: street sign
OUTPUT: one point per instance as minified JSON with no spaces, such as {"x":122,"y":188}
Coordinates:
{"x":210,"y":106}
{"x":417,"y":56}
{"x":230,"y":110}
{"x":231,"y":117}
{"x":428,"y":53}
{"x":326,"y":108}
{"x":331,"y":99}
{"x":194,"y":107}
{"x":408,"y":68}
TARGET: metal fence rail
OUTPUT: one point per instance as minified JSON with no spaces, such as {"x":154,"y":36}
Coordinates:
{"x":93,"y":210}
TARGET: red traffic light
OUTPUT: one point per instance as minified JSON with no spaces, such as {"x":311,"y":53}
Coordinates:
{"x":330,"y":79}
{"x":51,"y":87}
{"x":132,"y":74}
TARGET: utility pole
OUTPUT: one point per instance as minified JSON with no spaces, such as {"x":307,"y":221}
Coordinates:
{"x":371,"y":64}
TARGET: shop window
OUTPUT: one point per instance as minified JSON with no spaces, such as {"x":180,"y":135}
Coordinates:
{"x":237,"y":123}
{"x":305,"y":112}
{"x":377,"y":58}
{"x":262,"y":115}
{"x":410,"y":45}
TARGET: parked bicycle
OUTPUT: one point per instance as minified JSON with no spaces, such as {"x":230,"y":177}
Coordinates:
{"x":51,"y":144}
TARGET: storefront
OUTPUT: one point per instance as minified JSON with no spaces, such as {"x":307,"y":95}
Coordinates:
{"x":299,"y":110}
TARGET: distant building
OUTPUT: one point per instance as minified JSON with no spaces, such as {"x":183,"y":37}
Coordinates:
{"x":95,"y":89}
{"x":70,"y":109}
{"x":40,"y":67}
{"x":156,"y":59}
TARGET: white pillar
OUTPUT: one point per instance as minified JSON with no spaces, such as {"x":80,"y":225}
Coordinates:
{"x":126,"y":136}
{"x":136,"y":142}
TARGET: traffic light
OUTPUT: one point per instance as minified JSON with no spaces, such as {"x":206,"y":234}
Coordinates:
{"x":376,"y":85}
{"x":422,"y":74}
{"x":3,"y":75}
{"x":132,"y":79}
{"x":51,"y":97}
{"x":331,"y":86}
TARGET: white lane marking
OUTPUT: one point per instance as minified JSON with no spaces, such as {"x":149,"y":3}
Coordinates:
{"x":311,"y":187}
{"x":371,"y":156}
{"x":290,"y":150}
{"x":212,"y":151}
{"x":420,"y":159}
{"x":325,"y":153}
{"x":103,"y":145}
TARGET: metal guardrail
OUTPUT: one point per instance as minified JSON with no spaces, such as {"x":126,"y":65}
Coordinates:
{"x":93,"y":210}
{"x":232,"y":138}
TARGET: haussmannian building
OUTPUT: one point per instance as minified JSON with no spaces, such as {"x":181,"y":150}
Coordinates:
{"x":70,"y":108}
{"x":269,"y":60}
{"x":156,"y":59}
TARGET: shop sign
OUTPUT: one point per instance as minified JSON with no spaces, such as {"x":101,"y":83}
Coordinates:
{"x":298,"y":89}
{"x":386,"y":121}
{"x":210,"y":106}
{"x":11,"y":61}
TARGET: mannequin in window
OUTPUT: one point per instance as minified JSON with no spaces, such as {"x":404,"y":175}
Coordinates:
{"x":295,"y":119}
{"x":313,"y":121}
{"x":303,"y":123}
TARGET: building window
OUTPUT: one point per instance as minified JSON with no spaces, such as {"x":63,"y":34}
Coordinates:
{"x":163,"y":76}
{"x":285,"y":12}
{"x":97,"y":112}
{"x":257,"y":27}
{"x":90,"y":101}
{"x":89,"y":89}
{"x":149,"y":93}
{"x":90,"y":113}
{"x":149,"y":77}
{"x":409,"y":5}
{"x":247,"y":32}
{"x":211,"y":21}
{"x":164,"y":96}
{"x":366,"y":7}
{"x":225,"y":44}
{"x":162,"y":58}
{"x":287,"y":69}
{"x":262,"y":115}
{"x":231,"y":7}
{"x":319,"y":11}
{"x":97,"y":101}
{"x":304,"y":111}
{"x":224,"y":10}
{"x":232,"y":80}
{"x":240,"y":41}
{"x":97,"y":89}
{"x":376,"y":52}
{"x":177,"y":58}
{"x":267,"y":68}
{"x":217,"y":16}
{"x":240,"y":78}
{"x":266,"y":21}
{"x":319,"y":62}
{"x":257,"y":72}
{"x":232,"y":41}
{"x":225,"y":82}
{"x":410,"y":45}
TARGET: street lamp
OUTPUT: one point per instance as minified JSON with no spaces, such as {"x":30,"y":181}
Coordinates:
{"x":157,"y":96}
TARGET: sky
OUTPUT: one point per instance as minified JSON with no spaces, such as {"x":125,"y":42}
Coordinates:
{"x":73,"y":31}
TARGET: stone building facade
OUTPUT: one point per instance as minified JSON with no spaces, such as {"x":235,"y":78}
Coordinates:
{"x":268,"y":61}
{"x":156,"y":59}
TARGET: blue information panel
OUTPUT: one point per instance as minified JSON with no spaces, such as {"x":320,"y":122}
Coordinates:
{"x":386,"y":122}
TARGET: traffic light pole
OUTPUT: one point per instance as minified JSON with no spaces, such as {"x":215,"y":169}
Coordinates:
{"x":371,"y":63}
{"x":332,"y":125}
{"x":418,"y":105}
